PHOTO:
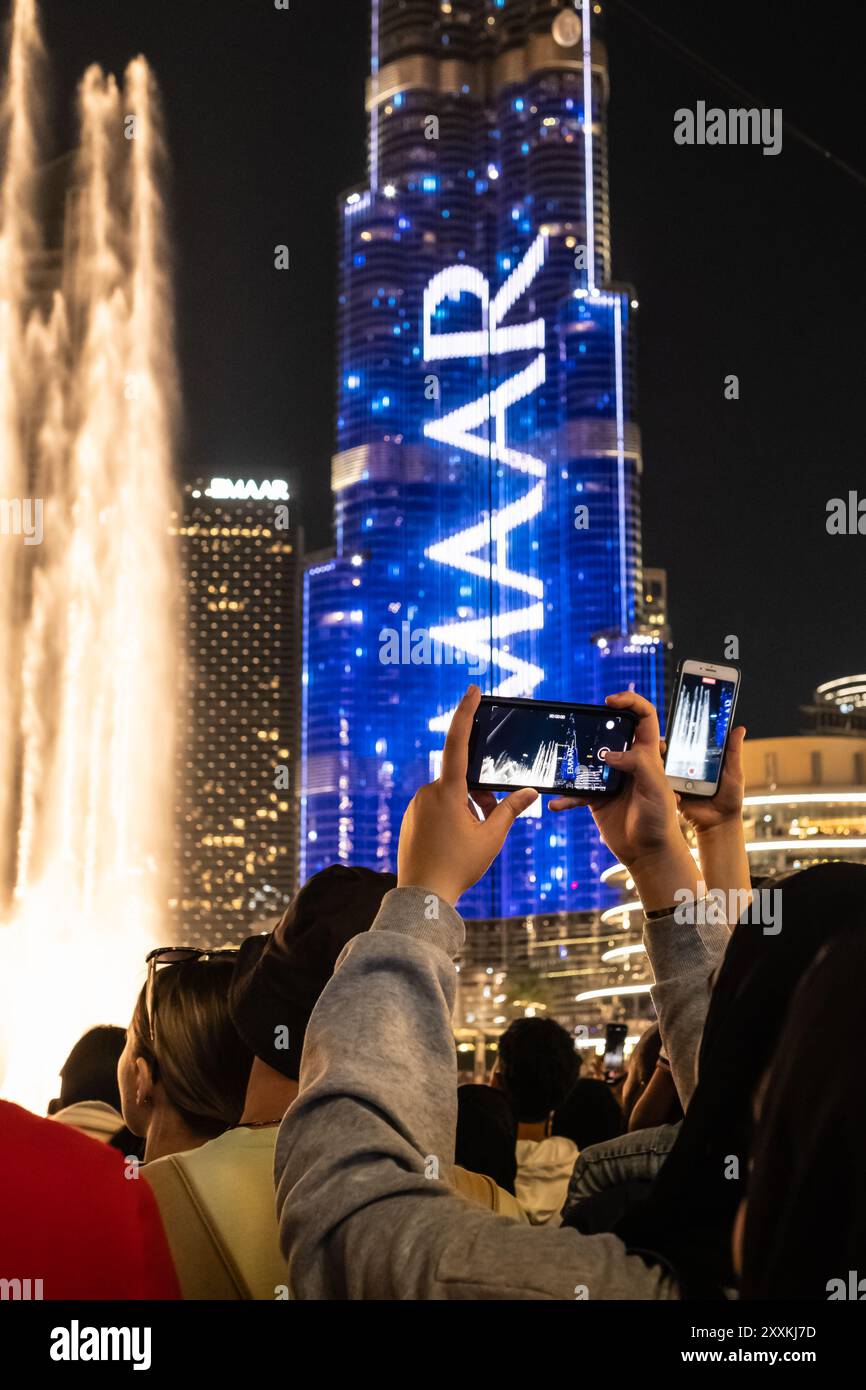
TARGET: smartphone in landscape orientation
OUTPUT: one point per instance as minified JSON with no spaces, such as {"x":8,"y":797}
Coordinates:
{"x":699,"y":722}
{"x":614,"y":1050}
{"x":548,"y":745}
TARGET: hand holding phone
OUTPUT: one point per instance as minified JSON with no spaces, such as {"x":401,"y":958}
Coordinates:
{"x":613,"y":1064}
{"x":699,"y":724}
{"x":549,"y":745}
{"x":641,"y":825}
{"x":445,"y":846}
{"x":705,"y":813}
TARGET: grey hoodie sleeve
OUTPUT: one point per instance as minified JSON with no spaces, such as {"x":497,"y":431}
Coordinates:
{"x":684,"y":957}
{"x":363,"y":1211}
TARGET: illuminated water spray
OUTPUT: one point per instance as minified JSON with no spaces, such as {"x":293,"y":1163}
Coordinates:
{"x":87,"y":626}
{"x":690,"y":737}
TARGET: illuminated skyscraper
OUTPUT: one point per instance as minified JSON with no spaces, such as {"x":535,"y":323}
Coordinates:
{"x":237,"y":812}
{"x":487,"y":473}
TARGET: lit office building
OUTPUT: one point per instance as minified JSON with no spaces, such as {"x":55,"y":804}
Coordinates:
{"x":488,"y":467}
{"x":806,"y":795}
{"x":837,"y":707}
{"x":237,"y":813}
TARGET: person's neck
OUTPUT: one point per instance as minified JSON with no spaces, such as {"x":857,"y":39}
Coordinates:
{"x":168,"y":1134}
{"x":269,"y":1095}
{"x":535,"y":1130}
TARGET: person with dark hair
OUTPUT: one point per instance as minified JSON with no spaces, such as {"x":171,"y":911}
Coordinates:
{"x":689,"y":1215}
{"x":89,"y":1097}
{"x":588,"y":1115}
{"x":217,"y":1200}
{"x":641,"y":1066}
{"x":649,"y":1096}
{"x":810,"y":1105}
{"x":536,"y":1067}
{"x":183,"y":1072}
{"x":486,"y":1134}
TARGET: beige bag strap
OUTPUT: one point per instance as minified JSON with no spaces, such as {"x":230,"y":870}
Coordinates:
{"x":195,"y":1241}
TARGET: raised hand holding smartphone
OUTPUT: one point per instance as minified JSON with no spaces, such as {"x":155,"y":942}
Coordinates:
{"x":701,"y":717}
{"x":641,"y":825}
{"x":444,"y":846}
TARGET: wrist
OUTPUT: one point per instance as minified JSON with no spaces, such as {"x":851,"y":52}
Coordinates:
{"x":660,"y":875}
{"x":729,"y":828}
{"x":432,"y":885}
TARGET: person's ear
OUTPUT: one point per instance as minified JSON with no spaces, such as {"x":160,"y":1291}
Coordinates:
{"x":144,"y":1083}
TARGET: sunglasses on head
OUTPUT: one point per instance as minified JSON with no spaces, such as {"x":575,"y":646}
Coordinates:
{"x":173,"y":955}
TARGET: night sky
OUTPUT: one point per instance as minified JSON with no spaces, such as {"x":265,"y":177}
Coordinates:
{"x":742,"y":263}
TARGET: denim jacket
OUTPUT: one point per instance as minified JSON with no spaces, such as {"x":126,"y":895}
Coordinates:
{"x":635,"y":1157}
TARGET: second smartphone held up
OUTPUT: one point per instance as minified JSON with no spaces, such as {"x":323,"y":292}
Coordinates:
{"x":701,"y":715}
{"x":547,"y":745}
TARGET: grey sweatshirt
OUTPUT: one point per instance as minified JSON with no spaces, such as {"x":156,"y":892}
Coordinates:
{"x":363,"y":1153}
{"x":684,"y":959}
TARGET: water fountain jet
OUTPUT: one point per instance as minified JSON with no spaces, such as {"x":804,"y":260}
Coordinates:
{"x":88,"y":407}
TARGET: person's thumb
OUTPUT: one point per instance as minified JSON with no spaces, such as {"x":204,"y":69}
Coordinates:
{"x":507,"y":811}
{"x":735,"y":745}
{"x":643,"y":763}
{"x":627,"y":760}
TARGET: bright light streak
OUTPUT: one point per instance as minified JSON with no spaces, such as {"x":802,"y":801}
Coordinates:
{"x":612,"y":992}
{"x":587,"y":145}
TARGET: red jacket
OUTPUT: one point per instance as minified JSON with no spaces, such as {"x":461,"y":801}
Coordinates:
{"x":71,"y":1218}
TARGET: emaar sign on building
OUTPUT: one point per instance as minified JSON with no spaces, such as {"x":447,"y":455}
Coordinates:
{"x":241,"y":491}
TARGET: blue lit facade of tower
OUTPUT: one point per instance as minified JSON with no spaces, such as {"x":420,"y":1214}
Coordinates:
{"x":487,"y":473}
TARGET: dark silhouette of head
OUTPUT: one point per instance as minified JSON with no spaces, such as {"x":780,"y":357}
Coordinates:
{"x":589,"y":1114}
{"x":537,"y":1067}
{"x":90,"y":1070}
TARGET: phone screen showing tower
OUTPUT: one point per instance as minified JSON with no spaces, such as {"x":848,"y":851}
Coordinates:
{"x":696,"y":740}
{"x":552,"y":747}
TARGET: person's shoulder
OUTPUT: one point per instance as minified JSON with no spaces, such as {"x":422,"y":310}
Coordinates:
{"x":233,"y":1146}
{"x":34,"y":1137}
{"x":92,"y":1117}
{"x":546,"y":1154}
{"x":70,"y":1174}
{"x":525,"y":1148}
{"x":558,"y":1148}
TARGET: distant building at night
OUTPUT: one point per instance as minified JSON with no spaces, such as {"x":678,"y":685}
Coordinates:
{"x":488,"y":467}
{"x":838,"y":707}
{"x":805,"y":804}
{"x":238,"y":741}
{"x":806,"y":796}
